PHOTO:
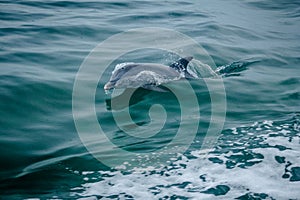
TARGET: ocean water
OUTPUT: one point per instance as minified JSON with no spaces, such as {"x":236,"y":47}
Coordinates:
{"x":256,"y":155}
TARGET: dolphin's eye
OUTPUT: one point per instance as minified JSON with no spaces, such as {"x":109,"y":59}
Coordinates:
{"x":123,"y":68}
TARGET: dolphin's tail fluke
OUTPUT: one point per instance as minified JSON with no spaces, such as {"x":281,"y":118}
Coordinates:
{"x":181,"y":65}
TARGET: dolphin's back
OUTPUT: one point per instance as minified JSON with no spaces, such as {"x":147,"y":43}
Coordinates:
{"x":133,"y":75}
{"x":160,"y":69}
{"x":146,"y":74}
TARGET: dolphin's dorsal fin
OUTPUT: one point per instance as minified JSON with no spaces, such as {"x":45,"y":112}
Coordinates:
{"x":181,"y":64}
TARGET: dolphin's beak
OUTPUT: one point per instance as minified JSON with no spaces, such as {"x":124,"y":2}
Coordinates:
{"x":109,"y":85}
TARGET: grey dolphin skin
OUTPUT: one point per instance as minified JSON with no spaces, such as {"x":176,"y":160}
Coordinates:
{"x":147,"y":75}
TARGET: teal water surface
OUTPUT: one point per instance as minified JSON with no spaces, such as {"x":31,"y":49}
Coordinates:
{"x":43,"y":44}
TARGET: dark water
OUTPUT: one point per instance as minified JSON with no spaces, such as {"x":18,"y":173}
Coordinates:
{"x":42,"y":45}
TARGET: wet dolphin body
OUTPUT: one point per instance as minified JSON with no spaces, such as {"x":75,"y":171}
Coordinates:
{"x":147,"y":75}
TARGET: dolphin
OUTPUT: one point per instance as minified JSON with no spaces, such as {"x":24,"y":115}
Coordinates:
{"x":147,"y":75}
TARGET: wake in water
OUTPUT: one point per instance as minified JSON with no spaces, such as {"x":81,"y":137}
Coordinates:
{"x":258,"y":161}
{"x":235,"y":68}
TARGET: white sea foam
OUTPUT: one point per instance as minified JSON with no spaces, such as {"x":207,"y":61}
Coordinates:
{"x":191,"y":177}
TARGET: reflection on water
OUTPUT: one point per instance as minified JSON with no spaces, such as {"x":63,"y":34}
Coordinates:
{"x":134,"y":94}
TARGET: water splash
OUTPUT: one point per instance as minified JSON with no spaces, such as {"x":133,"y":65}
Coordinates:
{"x":235,"y":68}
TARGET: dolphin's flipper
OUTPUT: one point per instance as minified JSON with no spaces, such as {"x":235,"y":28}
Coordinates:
{"x":154,"y":88}
{"x":181,"y":66}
